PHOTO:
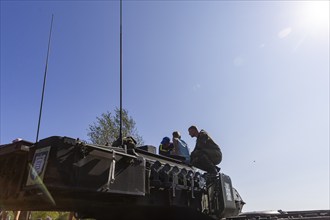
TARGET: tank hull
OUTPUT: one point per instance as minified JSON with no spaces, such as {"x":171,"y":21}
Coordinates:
{"x":63,"y":174}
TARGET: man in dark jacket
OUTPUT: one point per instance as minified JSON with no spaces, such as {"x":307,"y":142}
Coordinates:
{"x":207,"y":153}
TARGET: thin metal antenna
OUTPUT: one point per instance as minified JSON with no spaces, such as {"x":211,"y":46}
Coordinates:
{"x":121,"y":78}
{"x":45,"y":75}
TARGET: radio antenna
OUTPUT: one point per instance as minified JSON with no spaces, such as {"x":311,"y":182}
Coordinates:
{"x":45,"y":75}
{"x":121,"y":79}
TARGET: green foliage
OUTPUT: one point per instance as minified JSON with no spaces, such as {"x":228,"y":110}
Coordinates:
{"x":43,"y":215}
{"x":63,"y":216}
{"x":35,"y":215}
{"x":6,"y":214}
{"x":106,"y":128}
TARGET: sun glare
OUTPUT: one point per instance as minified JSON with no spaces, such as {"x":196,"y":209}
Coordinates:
{"x":314,"y":14}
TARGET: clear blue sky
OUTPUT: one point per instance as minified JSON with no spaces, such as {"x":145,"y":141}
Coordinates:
{"x":254,"y":74}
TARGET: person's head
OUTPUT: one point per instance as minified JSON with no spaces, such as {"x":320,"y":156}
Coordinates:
{"x":193,"y":131}
{"x":165,"y":141}
{"x":176,"y":134}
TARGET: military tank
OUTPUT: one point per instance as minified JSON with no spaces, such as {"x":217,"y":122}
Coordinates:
{"x":107,"y":182}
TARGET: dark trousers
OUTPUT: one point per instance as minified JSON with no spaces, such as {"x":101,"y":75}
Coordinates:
{"x":205,"y":161}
